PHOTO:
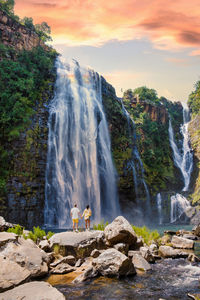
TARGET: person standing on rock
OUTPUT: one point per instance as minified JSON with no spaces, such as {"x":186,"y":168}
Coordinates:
{"x":87,"y":214}
{"x":75,"y":213}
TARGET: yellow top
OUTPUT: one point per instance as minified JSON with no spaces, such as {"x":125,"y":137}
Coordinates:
{"x":87,"y":214}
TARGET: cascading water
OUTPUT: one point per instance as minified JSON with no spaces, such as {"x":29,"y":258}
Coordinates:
{"x":179,"y":205}
{"x":136,"y":164}
{"x":183,"y":159}
{"x":79,"y":163}
{"x":159,"y":207}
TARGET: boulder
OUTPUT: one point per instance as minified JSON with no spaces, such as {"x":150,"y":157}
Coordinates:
{"x":6,"y":237}
{"x":194,"y":296}
{"x":140,"y":263}
{"x":79,"y":262}
{"x":36,"y":290}
{"x":190,"y":237}
{"x":169,"y":252}
{"x":146,"y":254}
{"x":113,"y":263}
{"x":27,"y":255}
{"x":165,"y":239}
{"x":133,"y":252}
{"x":70,"y":259}
{"x":80,"y":245}
{"x":197,"y":230}
{"x":120,"y":231}
{"x":182,"y":243}
{"x":121,"y":247}
{"x":62,"y":268}
{"x":89,"y":273}
{"x":11,"y":274}
{"x":153,"y":248}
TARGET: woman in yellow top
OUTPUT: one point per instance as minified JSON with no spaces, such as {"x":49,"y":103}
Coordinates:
{"x":87,"y":214}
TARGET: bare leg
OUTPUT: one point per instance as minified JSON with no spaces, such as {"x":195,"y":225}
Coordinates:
{"x":77,"y":226}
{"x":85,"y":224}
{"x":89,"y":224}
{"x":73,"y":225}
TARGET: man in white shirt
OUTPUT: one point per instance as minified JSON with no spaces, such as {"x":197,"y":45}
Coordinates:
{"x":75,"y":213}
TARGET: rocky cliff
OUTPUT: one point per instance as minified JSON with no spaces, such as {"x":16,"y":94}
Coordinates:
{"x":14,"y":34}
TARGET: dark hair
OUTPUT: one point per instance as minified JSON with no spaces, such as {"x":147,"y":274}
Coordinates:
{"x":75,"y":205}
{"x":87,"y":206}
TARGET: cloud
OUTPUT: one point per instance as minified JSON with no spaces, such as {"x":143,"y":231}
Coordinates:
{"x":170,"y":25}
{"x":178,"y":61}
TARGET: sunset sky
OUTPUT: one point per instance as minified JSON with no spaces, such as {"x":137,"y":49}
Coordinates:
{"x":130,"y":42}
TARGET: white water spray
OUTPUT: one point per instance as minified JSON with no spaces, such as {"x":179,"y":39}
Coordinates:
{"x":79,"y":163}
{"x":159,"y":207}
{"x":179,"y":205}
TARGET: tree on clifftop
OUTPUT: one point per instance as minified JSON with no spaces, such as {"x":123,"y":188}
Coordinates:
{"x":7,"y":6}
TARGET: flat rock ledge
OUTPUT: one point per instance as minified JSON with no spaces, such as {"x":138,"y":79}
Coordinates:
{"x":33,"y":291}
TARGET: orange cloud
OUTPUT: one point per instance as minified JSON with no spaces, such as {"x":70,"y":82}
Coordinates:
{"x":168,"y":24}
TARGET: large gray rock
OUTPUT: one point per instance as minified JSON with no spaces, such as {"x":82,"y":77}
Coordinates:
{"x":169,"y":252}
{"x":182,"y":243}
{"x":44,"y":245}
{"x":11,"y":274}
{"x":27,"y":255}
{"x":6,"y":237}
{"x":79,"y":244}
{"x":121,"y":247}
{"x":89,"y":273}
{"x":62,"y":268}
{"x":70,"y":259}
{"x":113,"y":263}
{"x":147,"y":255}
{"x":33,"y":291}
{"x":140,"y":263}
{"x":120,"y":231}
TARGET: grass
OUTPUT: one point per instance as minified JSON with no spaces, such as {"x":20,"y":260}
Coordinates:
{"x":147,"y":235}
{"x":101,"y":226}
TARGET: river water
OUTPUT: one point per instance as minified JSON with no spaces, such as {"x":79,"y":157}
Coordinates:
{"x":169,"y":279}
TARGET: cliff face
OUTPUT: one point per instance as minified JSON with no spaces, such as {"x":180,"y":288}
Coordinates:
{"x":156,"y":113}
{"x":16,"y":35}
{"x":194,"y":130}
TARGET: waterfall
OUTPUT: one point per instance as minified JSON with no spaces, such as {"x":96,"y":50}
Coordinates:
{"x":79,"y":162}
{"x":136,"y":164}
{"x":183,"y":159}
{"x":179,"y":205}
{"x":159,"y":207}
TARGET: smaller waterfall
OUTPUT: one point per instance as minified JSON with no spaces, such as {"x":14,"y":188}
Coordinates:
{"x":159,"y":207}
{"x":179,"y":205}
{"x":183,"y":159}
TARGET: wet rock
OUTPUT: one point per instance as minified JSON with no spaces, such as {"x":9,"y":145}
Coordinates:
{"x":193,"y":258}
{"x":120,"y":231}
{"x":169,"y":252}
{"x":62,"y":268}
{"x":6,"y":237}
{"x":121,"y":247}
{"x":95,"y":253}
{"x":113,"y":263}
{"x":80,"y":245}
{"x":140,"y":263}
{"x":33,"y":291}
{"x":89,"y":273}
{"x":182,"y":243}
{"x":132,"y":252}
{"x":147,"y":255}
{"x":197,"y":230}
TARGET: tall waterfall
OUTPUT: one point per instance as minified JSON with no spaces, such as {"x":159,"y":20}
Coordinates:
{"x":183,"y":159}
{"x":136,"y":164}
{"x":179,"y":205}
{"x":79,"y":162}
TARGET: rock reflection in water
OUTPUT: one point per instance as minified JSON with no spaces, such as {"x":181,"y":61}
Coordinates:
{"x":169,"y":279}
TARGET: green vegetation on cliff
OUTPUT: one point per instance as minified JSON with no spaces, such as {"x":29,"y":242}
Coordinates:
{"x":27,"y":80}
{"x":150,"y":115}
{"x":194,"y":99}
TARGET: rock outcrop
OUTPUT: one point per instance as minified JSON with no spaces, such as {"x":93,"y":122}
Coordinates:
{"x":13,"y":34}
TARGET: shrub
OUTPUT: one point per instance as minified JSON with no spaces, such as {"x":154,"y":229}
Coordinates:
{"x":147,"y":235}
{"x":49,"y":235}
{"x":17,"y":229}
{"x":101,"y":226}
